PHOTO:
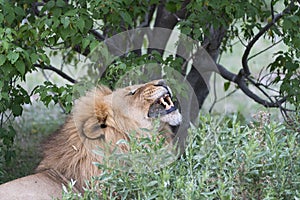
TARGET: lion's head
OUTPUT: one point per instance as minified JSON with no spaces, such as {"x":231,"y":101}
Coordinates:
{"x":104,"y":117}
{"x":128,"y":109}
{"x":144,"y":102}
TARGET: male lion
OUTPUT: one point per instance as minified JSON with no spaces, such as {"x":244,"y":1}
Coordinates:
{"x":99,"y":118}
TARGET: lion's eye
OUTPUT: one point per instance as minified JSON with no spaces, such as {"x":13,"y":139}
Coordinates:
{"x":132,"y":92}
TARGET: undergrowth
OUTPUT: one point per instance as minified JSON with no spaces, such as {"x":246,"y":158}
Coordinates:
{"x":223,"y":160}
{"x":36,"y":122}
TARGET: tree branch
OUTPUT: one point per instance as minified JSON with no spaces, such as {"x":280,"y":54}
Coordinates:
{"x":57,"y":71}
{"x":165,"y":19}
{"x":148,"y":17}
{"x":256,"y":38}
{"x":242,"y":84}
{"x":266,"y":49}
{"x":97,"y":35}
{"x":226,"y":74}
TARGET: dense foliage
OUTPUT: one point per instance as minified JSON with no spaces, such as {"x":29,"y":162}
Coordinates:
{"x":224,"y":160}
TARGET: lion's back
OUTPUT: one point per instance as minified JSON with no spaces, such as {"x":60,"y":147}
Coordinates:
{"x":33,"y":187}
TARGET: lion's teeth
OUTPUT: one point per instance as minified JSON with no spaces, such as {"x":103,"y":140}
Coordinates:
{"x":163,"y":102}
{"x":170,"y":101}
{"x":168,"y":107}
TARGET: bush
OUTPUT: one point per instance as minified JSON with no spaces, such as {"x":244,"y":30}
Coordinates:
{"x":224,"y":160}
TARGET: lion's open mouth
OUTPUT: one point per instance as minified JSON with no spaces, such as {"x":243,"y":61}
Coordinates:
{"x":162,"y":106}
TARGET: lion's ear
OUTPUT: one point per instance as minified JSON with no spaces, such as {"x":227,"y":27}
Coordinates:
{"x":102,"y":112}
{"x":94,"y":127}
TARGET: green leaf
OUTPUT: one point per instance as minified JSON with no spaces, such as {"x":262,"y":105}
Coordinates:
{"x":50,"y":4}
{"x":20,"y":65}
{"x":45,"y":59}
{"x":172,"y":7}
{"x":57,"y":11}
{"x":287,"y":24}
{"x":45,"y":34}
{"x":48,"y":22}
{"x":17,"y":110}
{"x":19,"y":11}
{"x":127,"y":18}
{"x":5,"y":45}
{"x":85,"y":43}
{"x":13,"y":57}
{"x":71,"y":13}
{"x":60,"y":3}
{"x":226,"y":86}
{"x":4,"y":96}
{"x":55,"y":22}
{"x":34,"y":57}
{"x":52,"y":40}
{"x":1,"y":17}
{"x":81,"y":24}
{"x":66,"y":33}
{"x":1,"y":85}
{"x":94,"y":44}
{"x":291,"y":66}
{"x":10,"y":18}
{"x":88,"y":23}
{"x":2,"y":59}
{"x":65,"y":21}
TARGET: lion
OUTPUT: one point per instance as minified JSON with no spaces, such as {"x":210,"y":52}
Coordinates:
{"x":99,"y":118}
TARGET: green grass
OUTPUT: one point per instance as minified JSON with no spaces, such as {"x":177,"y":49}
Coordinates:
{"x":224,"y":160}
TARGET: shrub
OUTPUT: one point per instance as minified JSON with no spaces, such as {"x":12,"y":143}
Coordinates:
{"x":223,"y":160}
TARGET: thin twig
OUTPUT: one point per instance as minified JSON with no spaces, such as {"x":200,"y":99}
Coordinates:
{"x":239,"y":79}
{"x":261,"y":90}
{"x":227,"y":95}
{"x":45,"y":75}
{"x":272,"y":9}
{"x":266,"y":49}
{"x":241,"y":41}
{"x":267,"y":87}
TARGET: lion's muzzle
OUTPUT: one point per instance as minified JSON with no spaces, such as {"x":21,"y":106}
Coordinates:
{"x":164,"y":108}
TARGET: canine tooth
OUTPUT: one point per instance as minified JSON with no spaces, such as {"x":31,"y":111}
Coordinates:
{"x":168,"y":107}
{"x":160,"y":100}
{"x":170,"y":101}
